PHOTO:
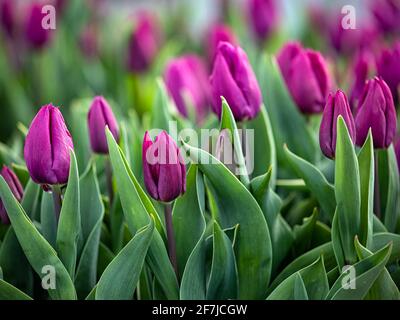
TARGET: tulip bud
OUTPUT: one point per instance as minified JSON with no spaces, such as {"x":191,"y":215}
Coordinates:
{"x":7,"y":16}
{"x":36,"y":35}
{"x":100,"y":115}
{"x":88,"y":42}
{"x":360,"y":73}
{"x":388,"y":65}
{"x":337,"y":105}
{"x":16,"y":189}
{"x":163,"y":168}
{"x":386,"y":14}
{"x":218,"y":33}
{"x":144,"y":43}
{"x":297,"y":64}
{"x":188,"y":75}
{"x":47,"y":147}
{"x":376,"y":111}
{"x":233,"y":78}
{"x":262,"y":16}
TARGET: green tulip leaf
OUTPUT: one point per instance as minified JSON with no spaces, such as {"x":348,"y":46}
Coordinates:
{"x":9,"y":292}
{"x":30,"y":199}
{"x":48,"y":220}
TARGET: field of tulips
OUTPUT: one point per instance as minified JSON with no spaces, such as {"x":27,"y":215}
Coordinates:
{"x":199,"y":150}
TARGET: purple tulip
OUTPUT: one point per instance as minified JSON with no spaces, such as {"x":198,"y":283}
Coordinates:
{"x":47,"y":147}
{"x":36,"y":35}
{"x":337,"y":105}
{"x":387,"y":14}
{"x":263,"y":17}
{"x":88,"y":42}
{"x":217,"y":34}
{"x":7,"y":16}
{"x":376,"y":111}
{"x":188,"y":74}
{"x":360,"y":71}
{"x":233,"y":78}
{"x":388,"y":65}
{"x":163,"y":168}
{"x":16,"y":189}
{"x":144,"y":43}
{"x":100,"y":115}
{"x":297,"y":64}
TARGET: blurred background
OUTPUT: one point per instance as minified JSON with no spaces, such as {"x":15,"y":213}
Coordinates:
{"x":118,"y":48}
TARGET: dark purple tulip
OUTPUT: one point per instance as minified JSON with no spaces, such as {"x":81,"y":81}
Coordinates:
{"x":100,"y":115}
{"x":36,"y":35}
{"x":47,"y":147}
{"x":376,"y":111}
{"x":16,"y":189}
{"x":388,"y":65}
{"x":263,"y":17}
{"x":144,"y":43}
{"x":163,"y":168}
{"x":297,"y":64}
{"x":336,"y":105}
{"x":88,"y":42}
{"x":217,"y":34}
{"x":360,"y":71}
{"x":386,"y":14}
{"x":233,"y":78}
{"x":187,"y":74}
{"x":7,"y":16}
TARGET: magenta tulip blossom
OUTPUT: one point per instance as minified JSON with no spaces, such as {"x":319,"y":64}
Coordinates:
{"x":100,"y":115}
{"x":47,"y":147}
{"x":36,"y":36}
{"x":163,"y":168}
{"x":262,"y":17}
{"x":388,"y":66}
{"x":218,"y":33}
{"x":233,"y":78}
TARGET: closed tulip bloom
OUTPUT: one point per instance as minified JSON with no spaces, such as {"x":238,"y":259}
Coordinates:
{"x":7,"y":16}
{"x":47,"y":147}
{"x":218,"y":33}
{"x":336,"y":105}
{"x":188,"y":75}
{"x":163,"y":168}
{"x":376,"y":111}
{"x":233,"y":78}
{"x":262,"y":16}
{"x":144,"y":43}
{"x":306,"y":76}
{"x":100,"y":115}
{"x":16,"y":188}
{"x":36,"y":35}
{"x":388,"y":66}
{"x":360,"y":72}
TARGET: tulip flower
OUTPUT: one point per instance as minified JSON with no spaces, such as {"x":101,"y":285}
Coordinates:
{"x":386,"y":14}
{"x":188,"y":75}
{"x":360,"y":71}
{"x":16,"y":189}
{"x":388,"y":66}
{"x":337,"y":105}
{"x":88,"y":42}
{"x":163,"y":168}
{"x":217,"y":34}
{"x":376,"y":111}
{"x":100,"y":115}
{"x":7,"y":16}
{"x":47,"y":147}
{"x":262,"y":17}
{"x":306,"y":75}
{"x":233,"y":78}
{"x":144,"y":43}
{"x":35,"y":34}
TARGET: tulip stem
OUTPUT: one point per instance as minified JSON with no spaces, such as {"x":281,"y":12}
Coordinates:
{"x":56,"y":191}
{"x":109,"y":181}
{"x":170,"y":236}
{"x":377,"y":196}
